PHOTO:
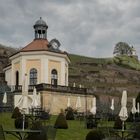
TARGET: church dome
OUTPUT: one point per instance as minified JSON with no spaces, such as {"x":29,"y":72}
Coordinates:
{"x":40,"y":22}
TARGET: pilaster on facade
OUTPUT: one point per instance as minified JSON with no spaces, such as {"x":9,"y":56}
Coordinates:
{"x":62,"y":73}
{"x":43,"y":69}
{"x":23,"y":70}
{"x":46,"y":71}
{"x":67,"y":73}
{"x":12,"y":75}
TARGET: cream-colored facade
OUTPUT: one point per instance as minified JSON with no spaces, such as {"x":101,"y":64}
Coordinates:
{"x":43,"y":62}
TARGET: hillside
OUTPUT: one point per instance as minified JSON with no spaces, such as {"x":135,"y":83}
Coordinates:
{"x":105,"y":75}
{"x":5,"y":52}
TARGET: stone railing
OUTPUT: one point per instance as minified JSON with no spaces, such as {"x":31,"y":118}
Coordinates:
{"x":58,"y":88}
{"x":74,"y":90}
{"x":19,"y":88}
{"x":54,"y":88}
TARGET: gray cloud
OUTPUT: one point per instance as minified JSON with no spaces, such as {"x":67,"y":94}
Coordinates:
{"x":90,"y":27}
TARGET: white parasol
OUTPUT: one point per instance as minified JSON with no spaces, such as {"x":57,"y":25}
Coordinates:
{"x":134,"y":110}
{"x":34,"y":103}
{"x":112,"y":104}
{"x":39,"y":99}
{"x":68,"y":103}
{"x":138,"y":107}
{"x":123,"y":112}
{"x":4,"y":98}
{"x":93,"y":109}
{"x":78,"y":103}
{"x":25,"y":101}
{"x":73,"y":84}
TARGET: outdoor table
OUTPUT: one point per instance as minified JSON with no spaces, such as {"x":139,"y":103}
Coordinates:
{"x":124,"y":133}
{"x":20,"y":133}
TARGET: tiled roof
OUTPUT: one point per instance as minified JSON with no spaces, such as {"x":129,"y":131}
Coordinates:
{"x":36,"y":45}
{"x":40,"y":45}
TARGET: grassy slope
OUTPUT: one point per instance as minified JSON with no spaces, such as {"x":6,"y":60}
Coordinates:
{"x":123,"y":61}
{"x":128,"y":62}
{"x":76,"y":130}
{"x":81,"y":65}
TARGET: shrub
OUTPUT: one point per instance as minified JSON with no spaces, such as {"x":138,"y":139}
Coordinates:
{"x":130,"y":117}
{"x":69,"y":114}
{"x":61,"y":121}
{"x":111,"y":117}
{"x":19,"y":119}
{"x":38,"y":136}
{"x":16,"y":113}
{"x":36,"y":125}
{"x":95,"y":135}
{"x":45,"y":116}
{"x":91,"y":121}
{"x":19,"y":123}
{"x":118,"y":124}
{"x":137,"y":134}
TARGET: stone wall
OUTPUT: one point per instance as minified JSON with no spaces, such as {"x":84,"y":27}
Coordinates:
{"x":54,"y":101}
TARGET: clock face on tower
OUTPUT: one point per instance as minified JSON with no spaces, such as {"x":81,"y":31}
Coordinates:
{"x":55,"y":44}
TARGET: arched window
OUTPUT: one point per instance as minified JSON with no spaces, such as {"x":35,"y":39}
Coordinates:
{"x":54,"y":77}
{"x":17,"y":79}
{"x":33,"y":76}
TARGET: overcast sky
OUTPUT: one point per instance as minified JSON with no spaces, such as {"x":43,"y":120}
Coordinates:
{"x":84,"y":27}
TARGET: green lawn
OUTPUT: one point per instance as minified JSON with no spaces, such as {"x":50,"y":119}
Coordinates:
{"x":76,"y":130}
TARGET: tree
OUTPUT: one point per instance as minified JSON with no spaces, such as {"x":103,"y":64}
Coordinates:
{"x":122,"y":48}
{"x":61,"y":121}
